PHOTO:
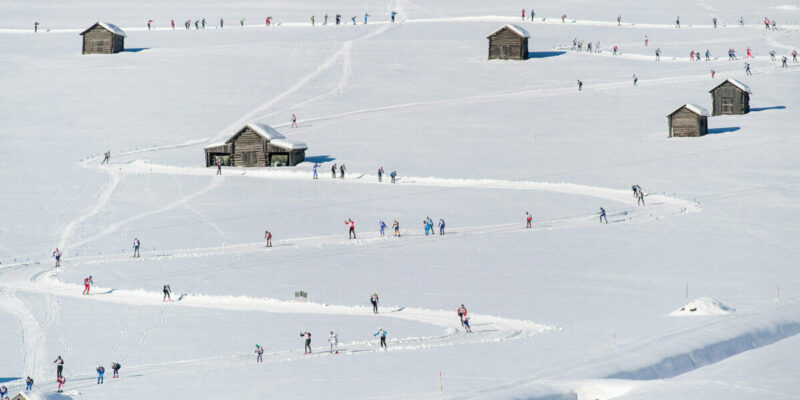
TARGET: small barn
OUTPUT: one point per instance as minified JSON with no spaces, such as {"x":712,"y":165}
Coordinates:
{"x":509,"y":43}
{"x":730,"y":97}
{"x":20,"y":396}
{"x":689,"y":120}
{"x":256,"y":145}
{"x":103,"y":38}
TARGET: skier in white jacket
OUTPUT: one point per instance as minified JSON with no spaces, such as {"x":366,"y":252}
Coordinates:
{"x":334,"y":340}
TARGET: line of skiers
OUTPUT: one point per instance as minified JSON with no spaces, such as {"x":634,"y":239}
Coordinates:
{"x":342,"y":169}
{"x":577,"y":45}
{"x":200,"y":23}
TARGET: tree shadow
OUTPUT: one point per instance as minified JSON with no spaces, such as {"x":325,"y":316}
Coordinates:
{"x":136,"y":49}
{"x":545,"y":54}
{"x":320,"y":159}
{"x":716,"y":131}
{"x":757,"y":109}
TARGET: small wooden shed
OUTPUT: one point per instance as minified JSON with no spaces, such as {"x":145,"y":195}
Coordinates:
{"x":20,"y":396}
{"x":688,"y":120}
{"x":103,"y":38}
{"x":730,"y":97}
{"x":256,"y":145}
{"x":509,"y":43}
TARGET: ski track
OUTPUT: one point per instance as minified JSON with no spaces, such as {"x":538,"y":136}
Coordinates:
{"x":33,"y":338}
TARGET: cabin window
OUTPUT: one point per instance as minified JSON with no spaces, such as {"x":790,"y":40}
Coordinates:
{"x":506,"y":51}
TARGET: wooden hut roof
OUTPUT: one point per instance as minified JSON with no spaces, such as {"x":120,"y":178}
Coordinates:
{"x":515,"y":28}
{"x":693,"y":108}
{"x":734,"y":82}
{"x":266,"y":131}
{"x":109,"y":27}
{"x":289,"y":144}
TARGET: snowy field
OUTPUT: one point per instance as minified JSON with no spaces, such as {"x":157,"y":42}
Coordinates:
{"x":694,"y":295}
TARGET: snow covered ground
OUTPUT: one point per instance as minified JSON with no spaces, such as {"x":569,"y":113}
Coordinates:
{"x":571,"y":309}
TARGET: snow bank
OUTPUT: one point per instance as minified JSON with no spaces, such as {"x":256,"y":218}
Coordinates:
{"x":703,"y":306}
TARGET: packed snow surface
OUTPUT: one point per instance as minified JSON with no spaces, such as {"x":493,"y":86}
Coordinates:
{"x":573,"y":307}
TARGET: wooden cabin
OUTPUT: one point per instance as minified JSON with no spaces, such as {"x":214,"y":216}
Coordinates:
{"x":690,"y":120}
{"x":103,"y":38}
{"x":256,"y":145}
{"x":509,"y":43}
{"x":730,"y":97}
{"x":20,"y":396}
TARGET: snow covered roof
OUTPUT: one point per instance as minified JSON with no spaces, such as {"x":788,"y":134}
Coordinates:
{"x":109,"y":27}
{"x":516,"y":28}
{"x":693,"y":108}
{"x":266,"y":131}
{"x":289,"y":144}
{"x":736,"y":83}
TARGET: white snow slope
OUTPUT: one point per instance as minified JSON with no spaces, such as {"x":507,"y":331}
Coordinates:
{"x":571,"y":309}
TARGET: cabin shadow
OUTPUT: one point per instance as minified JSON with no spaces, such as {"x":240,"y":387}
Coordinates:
{"x":136,"y":49}
{"x":8,"y":379}
{"x":716,"y":131}
{"x":545,"y":54}
{"x":320,"y":159}
{"x":757,"y":109}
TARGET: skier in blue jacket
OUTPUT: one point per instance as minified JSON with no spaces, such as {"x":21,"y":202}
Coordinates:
{"x":366,"y":15}
{"x":383,"y":227}
{"x":382,"y":333}
{"x":441,"y":226}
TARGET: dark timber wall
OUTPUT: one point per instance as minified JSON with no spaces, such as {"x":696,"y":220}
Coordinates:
{"x":508,"y":45}
{"x":98,"y":40}
{"x":730,"y":99}
{"x":686,"y":123}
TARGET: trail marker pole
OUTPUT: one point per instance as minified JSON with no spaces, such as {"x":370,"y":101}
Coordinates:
{"x":441,"y":387}
{"x":614,"y":339}
{"x":779,"y":292}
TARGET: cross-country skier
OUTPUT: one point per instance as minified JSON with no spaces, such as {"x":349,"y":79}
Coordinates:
{"x":713,"y":72}
{"x":393,"y":175}
{"x":57,"y":252}
{"x":366,"y":15}
{"x":59,"y":362}
{"x":772,"y":55}
{"x":36,"y":26}
{"x":462,"y":312}
{"x":354,"y":20}
{"x":380,"y":174}
{"x":374,"y":300}
{"x":115,"y":369}
{"x":615,"y":48}
{"x":528,"y":220}
{"x":219,"y":166}
{"x":221,"y":23}
{"x":307,"y":335}
{"x":747,"y":69}
{"x":783,"y":64}
{"x":533,"y":14}
{"x":333,"y":171}
{"x":352,"y":228}
{"x":149,"y":21}
{"x":87,"y":282}
{"x":259,"y":353}
{"x":333,"y":339}
{"x":658,"y":54}
{"x":312,"y":20}
{"x":465,"y":323}
{"x":619,"y":20}
{"x":749,"y":54}
{"x":294,"y":119}
{"x":61,"y":381}
{"x":3,"y":392}
{"x":427,"y":227}
{"x":635,"y":80}
{"x":342,"y":168}
{"x":203,"y":22}
{"x":640,"y":198}
{"x":172,"y":22}
{"x":794,"y":56}
{"x":338,"y":19}
{"x":167,"y":293}
{"x":708,"y":55}
{"x":396,"y":227}
{"x":267,"y":22}
{"x":241,"y":22}
{"x":646,"y":40}
{"x":196,"y":24}
{"x":603,"y":215}
{"x":28,"y":384}
{"x":678,"y":22}
{"x":383,"y":227}
{"x":441,"y":226}
{"x":580,"y":85}
{"x":106,"y":158}
{"x":136,"y":245}
{"x":523,"y":14}
{"x":382,"y":333}
{"x":393,"y":14}
{"x":741,"y":22}
{"x":315,"y":171}
{"x":268,"y":238}
{"x":325,"y":22}
{"x":100,"y":372}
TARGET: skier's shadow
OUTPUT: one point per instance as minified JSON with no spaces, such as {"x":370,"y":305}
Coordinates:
{"x":106,"y":292}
